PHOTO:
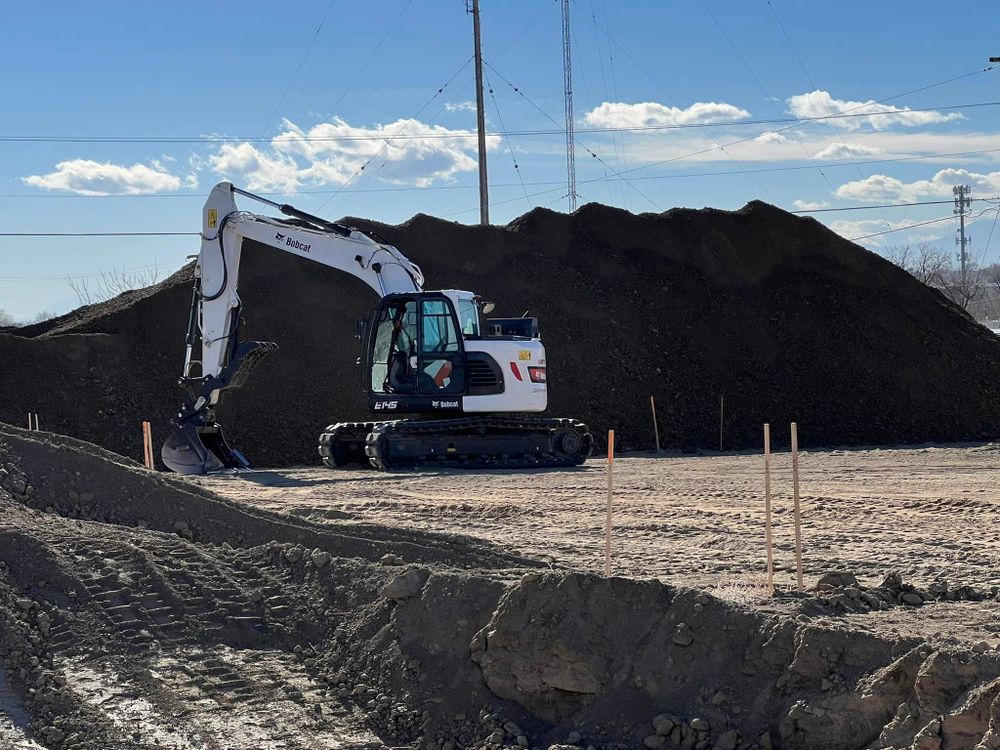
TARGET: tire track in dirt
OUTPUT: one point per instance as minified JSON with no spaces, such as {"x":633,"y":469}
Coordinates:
{"x":926,"y":512}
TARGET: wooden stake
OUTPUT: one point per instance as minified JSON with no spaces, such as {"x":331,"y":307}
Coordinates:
{"x":656,"y":430}
{"x":29,"y":422}
{"x":767,"y":509}
{"x":798,"y":514}
{"x":147,"y":445}
{"x":607,"y":521}
{"x":37,"y":428}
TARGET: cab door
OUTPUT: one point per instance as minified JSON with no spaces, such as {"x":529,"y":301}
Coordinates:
{"x":441,"y":360}
{"x":392,"y":347}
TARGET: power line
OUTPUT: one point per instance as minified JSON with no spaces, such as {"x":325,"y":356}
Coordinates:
{"x":156,"y":268}
{"x":794,"y":121}
{"x":620,"y":147}
{"x":298,"y":67}
{"x":99,"y":234}
{"x":789,"y":40}
{"x":625,"y":52}
{"x":865,"y":208}
{"x":367,"y":62}
{"x":604,"y":84}
{"x":884,"y":205}
{"x":510,"y":146}
{"x":812,"y":84}
{"x":902,"y":229}
{"x":764,"y":91}
{"x":385,"y":145}
{"x":575,"y":140}
{"x":992,"y":228}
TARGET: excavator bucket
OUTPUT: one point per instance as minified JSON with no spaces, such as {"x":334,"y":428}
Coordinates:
{"x":192,"y":449}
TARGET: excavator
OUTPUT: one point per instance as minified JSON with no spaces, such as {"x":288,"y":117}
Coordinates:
{"x":473,"y":388}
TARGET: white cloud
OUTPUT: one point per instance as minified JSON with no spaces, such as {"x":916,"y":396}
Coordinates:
{"x":87,"y":177}
{"x":258,"y":170}
{"x":882,"y":116}
{"x":886,"y":187}
{"x":469,"y":106}
{"x":771,"y":138}
{"x":809,"y":205}
{"x":847,"y":151}
{"x":651,"y":114}
{"x":406,"y":152}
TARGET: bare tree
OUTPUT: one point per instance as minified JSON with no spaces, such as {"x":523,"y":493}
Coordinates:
{"x":41,"y":317}
{"x":925,"y":262}
{"x":936,"y":268}
{"x":6,"y":319}
{"x":964,"y":287}
{"x":108,"y":284}
{"x":900,"y":255}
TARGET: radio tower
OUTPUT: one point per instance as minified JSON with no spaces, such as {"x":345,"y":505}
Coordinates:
{"x":962,"y":200}
{"x":568,"y":88}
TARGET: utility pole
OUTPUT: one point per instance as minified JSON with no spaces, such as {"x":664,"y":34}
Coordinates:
{"x":568,"y":89}
{"x":484,"y":191}
{"x":962,"y":201}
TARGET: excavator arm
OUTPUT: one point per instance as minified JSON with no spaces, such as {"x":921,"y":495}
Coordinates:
{"x":215,"y":359}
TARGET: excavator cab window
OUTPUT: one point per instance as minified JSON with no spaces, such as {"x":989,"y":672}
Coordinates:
{"x":394,"y":352}
{"x":441,"y":358}
{"x":416,"y":347}
{"x":468,"y":318}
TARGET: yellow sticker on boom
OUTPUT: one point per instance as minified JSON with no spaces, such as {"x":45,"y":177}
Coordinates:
{"x":524,"y":354}
{"x":213,"y":217}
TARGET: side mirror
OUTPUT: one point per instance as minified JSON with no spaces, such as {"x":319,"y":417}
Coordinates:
{"x":488,"y":307}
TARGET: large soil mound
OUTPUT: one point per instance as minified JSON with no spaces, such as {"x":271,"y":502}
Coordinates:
{"x":139,"y":612}
{"x":781,"y":317}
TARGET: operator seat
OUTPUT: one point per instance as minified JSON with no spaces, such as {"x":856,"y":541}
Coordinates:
{"x":400,"y":379}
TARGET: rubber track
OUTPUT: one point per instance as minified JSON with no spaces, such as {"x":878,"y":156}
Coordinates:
{"x":379,"y":442}
{"x":343,"y":430}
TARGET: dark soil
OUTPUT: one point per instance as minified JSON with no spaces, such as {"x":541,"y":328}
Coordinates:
{"x":776,"y":314}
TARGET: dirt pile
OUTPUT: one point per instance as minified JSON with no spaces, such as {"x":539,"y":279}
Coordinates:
{"x":778,"y":315}
{"x":118,"y":636}
{"x":842,"y":591}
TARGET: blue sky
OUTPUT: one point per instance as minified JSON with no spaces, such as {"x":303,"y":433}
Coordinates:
{"x":223,"y":77}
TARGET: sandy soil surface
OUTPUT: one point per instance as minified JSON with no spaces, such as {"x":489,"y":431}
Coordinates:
{"x":927,"y":513}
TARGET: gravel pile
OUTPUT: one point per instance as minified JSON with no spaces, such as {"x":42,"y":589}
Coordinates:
{"x":774,"y":313}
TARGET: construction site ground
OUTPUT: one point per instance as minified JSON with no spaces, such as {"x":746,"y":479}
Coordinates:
{"x":305,"y":608}
{"x":927,"y":513}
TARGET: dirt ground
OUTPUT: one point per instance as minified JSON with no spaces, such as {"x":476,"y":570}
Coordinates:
{"x":928,"y":513}
{"x":140,"y":610}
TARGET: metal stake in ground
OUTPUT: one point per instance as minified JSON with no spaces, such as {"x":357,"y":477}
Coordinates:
{"x":607,"y":521}
{"x":767,"y":509}
{"x":656,"y":430}
{"x":795,"y":496}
